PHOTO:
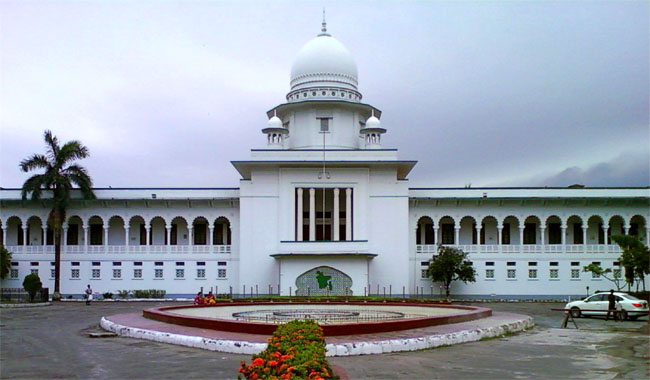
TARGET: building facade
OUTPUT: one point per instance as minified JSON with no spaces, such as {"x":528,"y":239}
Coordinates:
{"x":324,"y":208}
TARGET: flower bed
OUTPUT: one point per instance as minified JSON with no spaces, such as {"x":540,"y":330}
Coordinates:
{"x":295,"y":351}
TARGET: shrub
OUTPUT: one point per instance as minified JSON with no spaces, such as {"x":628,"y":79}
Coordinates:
{"x":149,"y":293}
{"x":107,"y":295}
{"x":123,"y":293}
{"x":32,"y":284}
{"x":295,"y":351}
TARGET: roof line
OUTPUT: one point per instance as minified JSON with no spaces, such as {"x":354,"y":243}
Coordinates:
{"x":144,"y":188}
{"x":528,"y":188}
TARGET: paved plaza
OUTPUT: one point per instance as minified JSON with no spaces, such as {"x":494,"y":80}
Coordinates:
{"x":52,"y":342}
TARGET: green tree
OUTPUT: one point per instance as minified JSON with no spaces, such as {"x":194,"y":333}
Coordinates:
{"x":451,"y":264}
{"x":32,"y":284}
{"x":615,"y":277}
{"x":5,"y":262}
{"x":635,"y":255}
{"x":57,"y":181}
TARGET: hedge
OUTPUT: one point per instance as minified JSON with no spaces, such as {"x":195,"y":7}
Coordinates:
{"x":296,"y":350}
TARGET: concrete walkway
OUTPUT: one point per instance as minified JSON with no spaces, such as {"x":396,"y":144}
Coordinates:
{"x":133,"y":325}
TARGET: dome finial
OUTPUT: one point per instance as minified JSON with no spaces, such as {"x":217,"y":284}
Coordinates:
{"x":323,"y":28}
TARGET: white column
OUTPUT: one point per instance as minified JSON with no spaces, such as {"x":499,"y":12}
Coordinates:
{"x":25,"y":242}
{"x":348,"y":213}
{"x":127,"y":231}
{"x":499,"y":235}
{"x":542,"y":232}
{"x":605,"y":230}
{"x":190,"y":235}
{"x":584,"y":235}
{"x":147,"y":232}
{"x":626,"y":229}
{"x":478,"y":234}
{"x":211,"y":232}
{"x":64,"y":236}
{"x":337,"y":222}
{"x":312,"y":214}
{"x":521,"y":235}
{"x":44,"y":234}
{"x":224,"y":233}
{"x":456,"y":235}
{"x":4,"y":236}
{"x":105,"y":242}
{"x":563,"y":227}
{"x":299,"y":212}
{"x":436,"y":238}
{"x":168,"y":231}
{"x":85,"y":227}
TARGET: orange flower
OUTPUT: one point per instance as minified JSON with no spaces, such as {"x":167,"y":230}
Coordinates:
{"x":258,"y":361}
{"x":273,"y":363}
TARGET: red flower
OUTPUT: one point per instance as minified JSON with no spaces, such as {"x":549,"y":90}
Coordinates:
{"x":258,"y":361}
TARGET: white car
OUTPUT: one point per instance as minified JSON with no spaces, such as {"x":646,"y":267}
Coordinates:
{"x":597,"y":304}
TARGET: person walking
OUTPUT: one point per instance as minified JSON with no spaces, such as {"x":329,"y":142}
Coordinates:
{"x":89,"y":295}
{"x":611,"y":308}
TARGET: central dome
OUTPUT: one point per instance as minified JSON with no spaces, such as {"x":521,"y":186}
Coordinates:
{"x":324,"y":63}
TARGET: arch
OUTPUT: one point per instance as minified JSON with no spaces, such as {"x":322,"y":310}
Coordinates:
{"x":639,"y":219}
{"x":200,"y":230}
{"x":467,"y":233}
{"x":447,"y":217}
{"x":510,"y":230}
{"x":222,"y":232}
{"x":35,"y":230}
{"x":424,"y":232}
{"x":554,"y":218}
{"x":489,"y":230}
{"x":14,"y":226}
{"x":158,"y":231}
{"x":137,"y":218}
{"x":74,"y":233}
{"x":323,"y":280}
{"x":617,"y":226}
{"x":531,"y":227}
{"x":115,"y":216}
{"x":447,"y":226}
{"x":180,"y":233}
{"x":575,"y":232}
{"x":96,"y":230}
{"x":595,"y":231}
{"x":199,"y":218}
{"x":94,"y":218}
{"x":116,"y":230}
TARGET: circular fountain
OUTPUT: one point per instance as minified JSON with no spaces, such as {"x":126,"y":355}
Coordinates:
{"x":336,"y":318}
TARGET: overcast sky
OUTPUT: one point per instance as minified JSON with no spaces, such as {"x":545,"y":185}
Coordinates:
{"x":166,"y":94}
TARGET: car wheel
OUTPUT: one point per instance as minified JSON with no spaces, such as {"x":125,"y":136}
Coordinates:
{"x":575,"y":312}
{"x":624,"y":315}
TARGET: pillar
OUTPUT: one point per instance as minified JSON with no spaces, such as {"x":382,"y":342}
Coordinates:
{"x":584,"y":235}
{"x":44,"y":234}
{"x":168,"y":231}
{"x":147,"y":232}
{"x":4,"y":236}
{"x":105,"y":242}
{"x":312,"y":214}
{"x":348,"y":213}
{"x":64,"y":236}
{"x":626,"y":229}
{"x":190,"y":235}
{"x":337,"y":222}
{"x":127,"y":230}
{"x":563,"y":228}
{"x":299,"y":212}
{"x":85,"y":227}
{"x":478,"y":234}
{"x":499,"y":234}
{"x":436,"y":239}
{"x":521,"y":235}
{"x":211,"y":236}
{"x":605,"y":230}
{"x":25,"y":227}
{"x":542,"y":233}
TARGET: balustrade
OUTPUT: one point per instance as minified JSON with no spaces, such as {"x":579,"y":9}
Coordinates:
{"x":121,"y":249}
{"x":430,"y":249}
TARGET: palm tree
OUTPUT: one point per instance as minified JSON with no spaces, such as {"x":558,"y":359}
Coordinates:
{"x":58,"y":179}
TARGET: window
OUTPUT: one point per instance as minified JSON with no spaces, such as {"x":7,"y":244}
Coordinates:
{"x":137,"y":273}
{"x":489,"y":273}
{"x":200,"y":273}
{"x":180,"y":263}
{"x":489,"y":263}
{"x":96,"y":234}
{"x":117,"y":273}
{"x":577,"y":234}
{"x":423,"y":273}
{"x":74,"y":273}
{"x":13,"y":273}
{"x":324,"y":124}
{"x":200,"y":263}
{"x":447,"y":231}
{"x":180,"y":273}
{"x":530,"y":233}
{"x":594,"y":275}
{"x":200,"y":234}
{"x":117,"y":263}
{"x":532,"y":273}
{"x":512,"y":273}
{"x":553,"y":273}
{"x":52,"y":273}
{"x":158,"y":263}
{"x":511,"y":263}
{"x":505,"y":234}
{"x":575,"y":263}
{"x":617,"y":273}
{"x":532,"y":263}
{"x":75,"y":263}
{"x":221,"y":263}
{"x":554,"y":233}
{"x":221,"y":273}
{"x":575,"y":273}
{"x":34,"y":271}
{"x":73,"y":234}
{"x":96,"y":273}
{"x":137,"y":263}
{"x":158,"y":273}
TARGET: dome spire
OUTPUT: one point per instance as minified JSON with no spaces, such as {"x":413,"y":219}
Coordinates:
{"x":323,"y":28}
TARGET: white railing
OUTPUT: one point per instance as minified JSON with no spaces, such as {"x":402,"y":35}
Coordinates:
{"x":122,"y":249}
{"x":430,"y":249}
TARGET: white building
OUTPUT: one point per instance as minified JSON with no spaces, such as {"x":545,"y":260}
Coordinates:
{"x":325,"y":208}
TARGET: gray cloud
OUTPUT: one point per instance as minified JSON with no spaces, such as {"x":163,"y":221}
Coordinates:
{"x":166,"y":94}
